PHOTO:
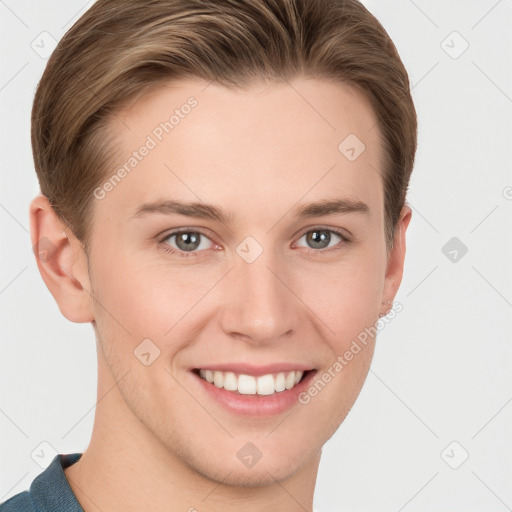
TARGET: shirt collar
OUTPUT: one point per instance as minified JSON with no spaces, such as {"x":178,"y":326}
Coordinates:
{"x":51,"y":490}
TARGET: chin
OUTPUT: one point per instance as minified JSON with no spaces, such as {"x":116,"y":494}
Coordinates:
{"x":231,"y":471}
{"x":260,"y":475}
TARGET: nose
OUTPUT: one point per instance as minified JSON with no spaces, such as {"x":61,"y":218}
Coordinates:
{"x":258,"y":302}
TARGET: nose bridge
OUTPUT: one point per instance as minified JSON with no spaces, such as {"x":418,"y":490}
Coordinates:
{"x":257,"y":303}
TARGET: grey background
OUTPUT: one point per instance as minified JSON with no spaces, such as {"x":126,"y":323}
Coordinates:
{"x":442,"y":368}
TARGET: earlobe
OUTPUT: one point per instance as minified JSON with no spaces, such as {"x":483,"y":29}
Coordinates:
{"x":396,"y":259}
{"x":61,"y":261}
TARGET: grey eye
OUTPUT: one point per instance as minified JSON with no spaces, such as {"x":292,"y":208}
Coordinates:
{"x":320,"y":238}
{"x":188,"y":241}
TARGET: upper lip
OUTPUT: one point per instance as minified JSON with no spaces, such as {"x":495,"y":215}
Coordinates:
{"x":256,"y":370}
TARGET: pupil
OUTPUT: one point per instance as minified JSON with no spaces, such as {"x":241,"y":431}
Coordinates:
{"x":187,"y":241}
{"x":319,"y":239}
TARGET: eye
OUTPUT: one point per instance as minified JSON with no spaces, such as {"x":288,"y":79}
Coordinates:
{"x":189,"y":242}
{"x":186,"y":241}
{"x":322,"y":238}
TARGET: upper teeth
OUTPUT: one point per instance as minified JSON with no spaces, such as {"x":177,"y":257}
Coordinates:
{"x":250,"y":385}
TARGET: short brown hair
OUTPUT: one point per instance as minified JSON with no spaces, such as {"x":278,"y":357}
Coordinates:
{"x":120,"y":48}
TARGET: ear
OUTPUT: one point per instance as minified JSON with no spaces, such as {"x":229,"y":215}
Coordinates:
{"x":61,"y":261}
{"x":396,"y":258}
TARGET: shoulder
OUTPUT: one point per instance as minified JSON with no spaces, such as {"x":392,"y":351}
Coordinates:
{"x":21,"y":502}
{"x":49,"y":491}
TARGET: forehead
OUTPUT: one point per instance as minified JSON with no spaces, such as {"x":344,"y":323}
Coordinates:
{"x":265,"y":143}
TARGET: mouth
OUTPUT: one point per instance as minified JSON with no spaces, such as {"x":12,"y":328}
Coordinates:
{"x":250,"y":384}
{"x":250,"y":390}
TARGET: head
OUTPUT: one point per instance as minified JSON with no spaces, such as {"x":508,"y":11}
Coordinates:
{"x":263,"y":114}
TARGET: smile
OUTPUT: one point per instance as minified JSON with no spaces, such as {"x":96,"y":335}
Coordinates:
{"x":244,"y":384}
{"x":250,"y":390}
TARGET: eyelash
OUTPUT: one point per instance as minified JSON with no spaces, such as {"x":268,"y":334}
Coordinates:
{"x":168,"y":249}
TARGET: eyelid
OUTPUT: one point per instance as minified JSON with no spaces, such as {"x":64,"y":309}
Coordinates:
{"x":190,"y":229}
{"x":339,"y":231}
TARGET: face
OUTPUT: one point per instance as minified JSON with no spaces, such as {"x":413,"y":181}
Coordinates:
{"x":244,"y":243}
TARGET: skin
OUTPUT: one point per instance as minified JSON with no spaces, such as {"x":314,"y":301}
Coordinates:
{"x":256,"y":153}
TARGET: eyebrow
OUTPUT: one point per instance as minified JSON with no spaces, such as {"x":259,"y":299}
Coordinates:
{"x":210,"y":211}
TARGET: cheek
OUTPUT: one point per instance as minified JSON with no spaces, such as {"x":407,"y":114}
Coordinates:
{"x":147,"y":300}
{"x":344,"y":297}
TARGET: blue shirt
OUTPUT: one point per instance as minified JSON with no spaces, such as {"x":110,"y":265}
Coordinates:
{"x":49,"y":491}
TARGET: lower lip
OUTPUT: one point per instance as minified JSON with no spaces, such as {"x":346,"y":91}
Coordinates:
{"x":256,"y":405}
